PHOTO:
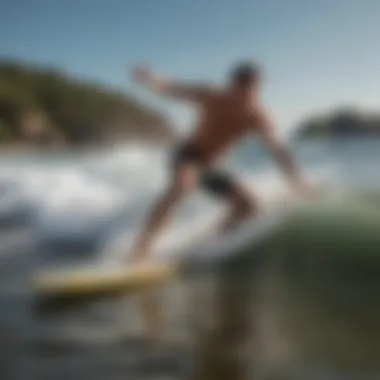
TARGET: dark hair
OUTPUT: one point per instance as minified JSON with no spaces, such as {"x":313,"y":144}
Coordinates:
{"x":244,"y":73}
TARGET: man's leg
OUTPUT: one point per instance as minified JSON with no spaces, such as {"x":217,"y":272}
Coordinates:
{"x":242,"y":203}
{"x":184,"y":181}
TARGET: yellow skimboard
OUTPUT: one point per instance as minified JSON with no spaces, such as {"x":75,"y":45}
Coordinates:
{"x":83,"y":281}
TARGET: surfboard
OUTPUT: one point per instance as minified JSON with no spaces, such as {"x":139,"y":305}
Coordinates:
{"x":92,"y":279}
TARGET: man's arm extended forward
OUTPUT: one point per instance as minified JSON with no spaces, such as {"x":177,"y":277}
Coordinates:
{"x":278,"y":149}
{"x":167,"y":87}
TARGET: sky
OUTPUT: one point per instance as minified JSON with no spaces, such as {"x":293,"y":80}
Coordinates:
{"x":316,"y":54}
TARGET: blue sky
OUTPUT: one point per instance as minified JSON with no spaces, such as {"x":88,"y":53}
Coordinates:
{"x":316,"y":53}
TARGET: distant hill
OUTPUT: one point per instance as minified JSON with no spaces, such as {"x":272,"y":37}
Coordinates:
{"x":342,"y":122}
{"x":47,"y":105}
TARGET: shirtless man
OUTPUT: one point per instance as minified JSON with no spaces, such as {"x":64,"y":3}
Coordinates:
{"x":225,"y":116}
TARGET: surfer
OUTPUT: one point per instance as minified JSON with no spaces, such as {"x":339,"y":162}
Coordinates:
{"x":225,"y":116}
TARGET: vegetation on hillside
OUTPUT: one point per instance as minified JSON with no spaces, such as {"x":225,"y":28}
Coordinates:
{"x":341,"y":123}
{"x":47,"y":105}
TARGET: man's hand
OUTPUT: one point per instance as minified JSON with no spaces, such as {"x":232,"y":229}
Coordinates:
{"x":146,"y":77}
{"x":282,"y":156}
{"x":142,"y":75}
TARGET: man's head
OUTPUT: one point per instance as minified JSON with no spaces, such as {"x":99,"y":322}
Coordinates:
{"x":245,"y":76}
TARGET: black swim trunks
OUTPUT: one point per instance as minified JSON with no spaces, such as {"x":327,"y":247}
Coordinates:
{"x":214,"y":181}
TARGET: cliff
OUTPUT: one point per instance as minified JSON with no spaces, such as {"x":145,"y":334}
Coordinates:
{"x":43,"y":105}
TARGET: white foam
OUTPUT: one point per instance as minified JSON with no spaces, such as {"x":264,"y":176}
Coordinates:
{"x":76,"y":198}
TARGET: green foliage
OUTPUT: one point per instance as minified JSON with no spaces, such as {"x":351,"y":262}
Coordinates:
{"x":79,"y":110}
{"x":342,"y":122}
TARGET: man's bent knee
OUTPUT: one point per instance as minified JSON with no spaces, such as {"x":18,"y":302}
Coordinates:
{"x":243,"y":204}
{"x":243,"y":210}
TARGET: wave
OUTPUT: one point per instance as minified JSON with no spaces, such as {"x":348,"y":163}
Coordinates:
{"x":103,"y":198}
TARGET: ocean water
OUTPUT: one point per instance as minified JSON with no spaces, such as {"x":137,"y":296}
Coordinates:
{"x":88,"y":206}
{"x":98,"y":200}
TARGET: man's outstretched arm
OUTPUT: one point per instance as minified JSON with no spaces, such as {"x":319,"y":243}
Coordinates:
{"x":278,"y":149}
{"x":168,"y":87}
